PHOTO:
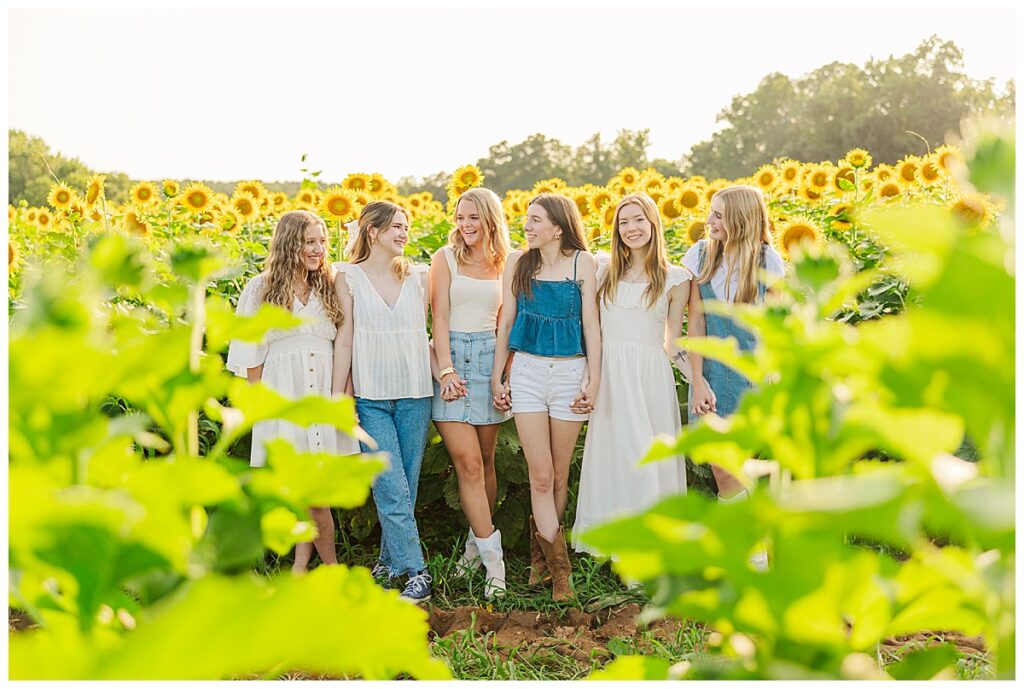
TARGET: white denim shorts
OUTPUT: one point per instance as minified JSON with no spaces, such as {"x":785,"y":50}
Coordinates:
{"x":543,"y":384}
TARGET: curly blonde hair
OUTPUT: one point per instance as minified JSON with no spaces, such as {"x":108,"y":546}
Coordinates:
{"x":285,"y":262}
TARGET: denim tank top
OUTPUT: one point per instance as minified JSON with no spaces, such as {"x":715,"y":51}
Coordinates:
{"x":550,"y":323}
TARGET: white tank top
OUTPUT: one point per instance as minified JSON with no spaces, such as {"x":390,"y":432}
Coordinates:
{"x":390,"y":352}
{"x":473,"y":303}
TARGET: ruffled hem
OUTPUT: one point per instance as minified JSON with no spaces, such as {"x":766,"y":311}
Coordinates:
{"x":562,"y":337}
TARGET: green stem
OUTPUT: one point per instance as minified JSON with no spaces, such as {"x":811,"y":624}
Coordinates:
{"x":195,"y":350}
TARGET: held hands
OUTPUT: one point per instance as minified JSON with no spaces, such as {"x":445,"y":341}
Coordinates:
{"x":502,"y":394}
{"x":704,"y":400}
{"x":584,"y":402}
{"x":452,"y":387}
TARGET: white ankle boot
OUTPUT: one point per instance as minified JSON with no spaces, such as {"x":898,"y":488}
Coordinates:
{"x":470,"y":559}
{"x":493,"y":561}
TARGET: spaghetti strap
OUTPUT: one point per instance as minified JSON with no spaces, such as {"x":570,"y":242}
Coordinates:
{"x":574,"y":261}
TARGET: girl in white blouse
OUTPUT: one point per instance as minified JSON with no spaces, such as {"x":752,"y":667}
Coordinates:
{"x":384,"y":347}
{"x":465,"y":294}
{"x":298,"y":361}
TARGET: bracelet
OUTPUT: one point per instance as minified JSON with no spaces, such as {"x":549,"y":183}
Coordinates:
{"x":445,"y":372}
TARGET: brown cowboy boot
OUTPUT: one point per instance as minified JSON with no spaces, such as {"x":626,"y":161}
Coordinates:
{"x":538,"y":567}
{"x":557,"y":558}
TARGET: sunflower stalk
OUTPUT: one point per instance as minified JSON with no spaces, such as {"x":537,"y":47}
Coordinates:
{"x":198,"y":317}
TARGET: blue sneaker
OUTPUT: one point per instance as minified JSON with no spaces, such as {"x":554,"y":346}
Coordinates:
{"x":417,"y":589}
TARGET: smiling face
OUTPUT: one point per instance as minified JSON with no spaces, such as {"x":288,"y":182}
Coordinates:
{"x":634,"y":228}
{"x":538,"y":228}
{"x":314,"y":247}
{"x":469,"y":223}
{"x":716,"y":225}
{"x":392,"y":239}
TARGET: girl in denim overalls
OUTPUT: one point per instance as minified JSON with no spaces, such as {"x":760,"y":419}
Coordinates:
{"x":549,"y":318}
{"x":726,"y":267}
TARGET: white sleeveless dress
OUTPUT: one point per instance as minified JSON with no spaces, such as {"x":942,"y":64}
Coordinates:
{"x":635,"y":402}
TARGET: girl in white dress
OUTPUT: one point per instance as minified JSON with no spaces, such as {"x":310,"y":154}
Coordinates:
{"x":642,"y":299}
{"x":298,"y":361}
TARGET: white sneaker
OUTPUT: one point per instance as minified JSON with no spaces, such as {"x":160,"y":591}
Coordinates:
{"x":493,"y":560}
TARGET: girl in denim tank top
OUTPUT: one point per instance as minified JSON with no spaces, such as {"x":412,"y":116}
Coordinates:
{"x":549,"y":318}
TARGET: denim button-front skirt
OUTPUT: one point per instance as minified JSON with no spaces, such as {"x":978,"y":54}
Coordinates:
{"x":473,"y":359}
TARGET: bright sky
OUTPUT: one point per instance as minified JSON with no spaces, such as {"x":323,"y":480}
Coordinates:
{"x":244,"y":93}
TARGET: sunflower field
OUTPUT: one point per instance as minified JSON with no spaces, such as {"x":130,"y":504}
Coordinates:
{"x":134,"y":518}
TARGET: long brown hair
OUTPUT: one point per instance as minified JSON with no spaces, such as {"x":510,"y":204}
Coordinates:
{"x":748,"y":229}
{"x":655,"y":258}
{"x":496,"y":243}
{"x":378,"y":215}
{"x":564,"y":214}
{"x":285,"y":261}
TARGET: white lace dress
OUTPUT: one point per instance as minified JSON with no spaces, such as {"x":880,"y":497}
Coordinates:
{"x":296,"y":362}
{"x":635,"y":402}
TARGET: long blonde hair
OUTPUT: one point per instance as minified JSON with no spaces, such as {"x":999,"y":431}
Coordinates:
{"x":748,"y":229}
{"x":378,"y":215}
{"x":564,"y":214}
{"x":655,"y":258}
{"x":496,"y":243}
{"x":285,"y":262}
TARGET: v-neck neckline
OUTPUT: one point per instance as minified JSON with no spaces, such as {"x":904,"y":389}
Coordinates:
{"x":401,"y":290}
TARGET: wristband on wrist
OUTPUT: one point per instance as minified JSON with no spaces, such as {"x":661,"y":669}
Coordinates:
{"x":445,"y":372}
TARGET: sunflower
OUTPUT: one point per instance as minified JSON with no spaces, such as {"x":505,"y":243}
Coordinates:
{"x":13,"y":258}
{"x":229,"y":222}
{"x":973,"y":209}
{"x":695,"y":231}
{"x":376,"y":184}
{"x":43,"y":219}
{"x":674,"y":183}
{"x":143,"y":194}
{"x":843,"y":172}
{"x":60,"y":196}
{"x":278,"y":201}
{"x":252,"y":187}
{"x":889,"y":189}
{"x":307,"y":199}
{"x":906,"y":170}
{"x":629,"y":176}
{"x":608,"y":217}
{"x":12,"y":213}
{"x":414,"y":202}
{"x":30,"y":215}
{"x":701,"y":182}
{"x":929,"y":172}
{"x":548,"y":186}
{"x":810,"y":192}
{"x":94,"y":190}
{"x":582,"y":200}
{"x":171,"y":188}
{"x":357,"y":181}
{"x":841,"y":213}
{"x":652,"y":184}
{"x":466,"y":177}
{"x":595,"y":233}
{"x":766,"y":177}
{"x":867,"y":182}
{"x":789,"y":171}
{"x":817,"y":176}
{"x":245,"y":205}
{"x":796,"y":233}
{"x":133,"y":222}
{"x":689,"y":199}
{"x":948,"y":158}
{"x":338,"y":203}
{"x":885,"y":172}
{"x":196,"y":197}
{"x":669,"y":208}
{"x":710,"y":190}
{"x":858,"y":158}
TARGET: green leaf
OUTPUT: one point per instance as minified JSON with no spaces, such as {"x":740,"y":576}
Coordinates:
{"x":316,"y":479}
{"x":925,"y":664}
{"x":223,"y":325}
{"x":282,"y":530}
{"x":633,"y":668}
{"x":196,"y":260}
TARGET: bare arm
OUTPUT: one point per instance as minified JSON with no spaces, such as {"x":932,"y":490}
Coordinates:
{"x":506,"y":318}
{"x":440,"y":304}
{"x":703,"y":399}
{"x":678,"y":297}
{"x":591,"y":331}
{"x":255,"y":374}
{"x":341,"y":381}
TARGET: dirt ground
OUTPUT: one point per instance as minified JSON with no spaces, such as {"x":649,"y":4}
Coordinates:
{"x":578,"y":634}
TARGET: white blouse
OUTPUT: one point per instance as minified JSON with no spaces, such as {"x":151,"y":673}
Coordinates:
{"x":296,"y":362}
{"x":473,"y":303}
{"x":390,"y":351}
{"x":773,"y":265}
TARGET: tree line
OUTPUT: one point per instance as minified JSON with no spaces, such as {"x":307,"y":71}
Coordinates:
{"x":892,"y":107}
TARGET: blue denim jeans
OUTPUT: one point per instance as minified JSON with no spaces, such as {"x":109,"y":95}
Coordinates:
{"x":400,"y":429}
